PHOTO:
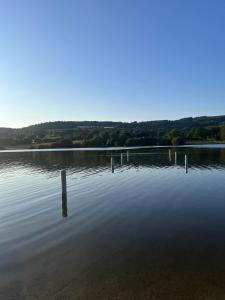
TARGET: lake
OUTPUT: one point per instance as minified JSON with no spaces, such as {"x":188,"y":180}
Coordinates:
{"x":149,"y":230}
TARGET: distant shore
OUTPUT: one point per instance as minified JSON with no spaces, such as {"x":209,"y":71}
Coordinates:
{"x":28,"y":149}
{"x":49,"y":146}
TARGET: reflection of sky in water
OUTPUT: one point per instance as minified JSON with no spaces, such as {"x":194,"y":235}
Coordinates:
{"x":148,"y":200}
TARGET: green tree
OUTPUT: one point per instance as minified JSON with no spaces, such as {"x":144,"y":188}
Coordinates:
{"x":176,"y":141}
{"x":222,"y":133}
{"x":198,"y":133}
{"x":175,"y":136}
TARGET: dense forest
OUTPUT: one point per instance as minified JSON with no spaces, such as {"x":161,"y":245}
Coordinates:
{"x":113,"y":134}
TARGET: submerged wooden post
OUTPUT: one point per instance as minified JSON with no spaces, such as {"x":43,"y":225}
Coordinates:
{"x":175,"y":157}
{"x":170,"y":158}
{"x":186,"y":163}
{"x":112,"y":164}
{"x":63,"y":181}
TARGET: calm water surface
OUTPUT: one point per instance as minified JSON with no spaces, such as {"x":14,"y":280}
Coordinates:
{"x":149,"y":230}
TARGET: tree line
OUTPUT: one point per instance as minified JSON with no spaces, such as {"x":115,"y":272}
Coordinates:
{"x":115,"y":134}
{"x":112,"y":137}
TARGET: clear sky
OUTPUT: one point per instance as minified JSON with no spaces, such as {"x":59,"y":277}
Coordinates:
{"x":110,"y":60}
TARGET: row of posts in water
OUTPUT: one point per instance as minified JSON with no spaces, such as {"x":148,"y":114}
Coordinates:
{"x":121,"y":160}
{"x":175,"y":159}
{"x":170,"y":159}
{"x":63,"y":172}
{"x":64,"y":185}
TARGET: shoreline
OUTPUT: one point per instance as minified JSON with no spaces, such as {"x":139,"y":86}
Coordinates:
{"x":203,"y":145}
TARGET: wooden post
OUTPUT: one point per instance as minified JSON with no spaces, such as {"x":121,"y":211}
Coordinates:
{"x":112,"y":164}
{"x":186,"y":163}
{"x":127,"y":156}
{"x":63,"y":181}
{"x":175,"y":157}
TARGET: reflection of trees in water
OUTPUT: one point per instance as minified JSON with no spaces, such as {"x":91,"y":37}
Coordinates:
{"x":100,"y":160}
{"x":206,"y":157}
{"x":52,"y":161}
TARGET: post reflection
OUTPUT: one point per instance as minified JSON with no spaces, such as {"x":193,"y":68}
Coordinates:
{"x":64,"y":205}
{"x":186,"y":163}
{"x":127,"y":156}
{"x":170,"y":155}
{"x":112,"y":165}
{"x":121,"y":159}
{"x":175,"y":158}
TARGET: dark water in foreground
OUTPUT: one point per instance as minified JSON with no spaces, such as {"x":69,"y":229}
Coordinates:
{"x":147,"y":231}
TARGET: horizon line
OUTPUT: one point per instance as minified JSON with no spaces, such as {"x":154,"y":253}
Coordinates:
{"x":110,"y":121}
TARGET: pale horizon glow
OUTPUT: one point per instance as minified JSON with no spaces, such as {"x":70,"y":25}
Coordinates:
{"x":116,"y":60}
{"x":103,"y":120}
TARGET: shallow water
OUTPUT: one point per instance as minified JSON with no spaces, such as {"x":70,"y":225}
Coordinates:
{"x":150,"y":230}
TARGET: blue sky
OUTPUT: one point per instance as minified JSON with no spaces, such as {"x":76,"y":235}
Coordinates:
{"x":110,"y":60}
